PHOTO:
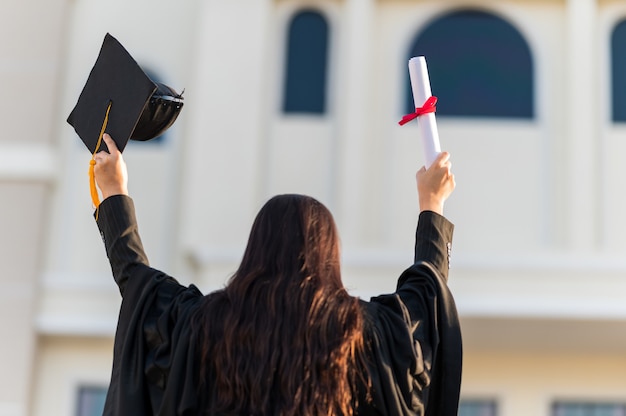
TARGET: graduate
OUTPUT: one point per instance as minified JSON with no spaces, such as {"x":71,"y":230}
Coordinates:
{"x":283,"y":337}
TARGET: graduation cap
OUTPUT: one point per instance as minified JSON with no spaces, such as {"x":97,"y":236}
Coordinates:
{"x":120,"y":99}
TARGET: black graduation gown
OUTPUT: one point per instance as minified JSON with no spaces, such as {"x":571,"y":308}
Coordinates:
{"x":413,"y":340}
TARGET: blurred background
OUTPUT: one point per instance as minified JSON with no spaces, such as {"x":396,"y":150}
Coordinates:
{"x":304,"y":96}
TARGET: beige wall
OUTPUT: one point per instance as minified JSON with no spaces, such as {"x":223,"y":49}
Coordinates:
{"x":528,"y":383}
{"x":64,"y":364}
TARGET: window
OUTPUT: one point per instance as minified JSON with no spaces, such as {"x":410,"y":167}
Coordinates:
{"x":618,"y":72}
{"x":479,"y":66}
{"x":588,"y":409}
{"x":306,"y":64}
{"x":91,"y":400}
{"x":477,"y":408}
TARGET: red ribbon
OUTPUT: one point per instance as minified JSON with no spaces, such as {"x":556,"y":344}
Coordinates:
{"x":428,"y":107}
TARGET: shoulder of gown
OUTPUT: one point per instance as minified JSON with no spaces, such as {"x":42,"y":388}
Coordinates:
{"x":153,"y":358}
{"x":413,"y":339}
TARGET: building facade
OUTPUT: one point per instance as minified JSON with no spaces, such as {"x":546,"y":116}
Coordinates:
{"x":304,"y":96}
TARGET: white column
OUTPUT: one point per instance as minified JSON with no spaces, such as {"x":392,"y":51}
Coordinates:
{"x":29,"y":69}
{"x":354,"y":103}
{"x":581,"y":129}
{"x":225,"y":109}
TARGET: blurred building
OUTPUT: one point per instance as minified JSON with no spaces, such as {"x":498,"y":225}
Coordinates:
{"x":304,"y":96}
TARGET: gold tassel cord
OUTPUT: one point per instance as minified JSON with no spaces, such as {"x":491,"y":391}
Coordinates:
{"x":92,"y":179}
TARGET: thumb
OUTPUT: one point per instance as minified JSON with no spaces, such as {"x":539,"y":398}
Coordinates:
{"x":111,"y":145}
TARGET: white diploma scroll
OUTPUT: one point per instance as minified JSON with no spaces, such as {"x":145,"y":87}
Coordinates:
{"x":420,"y":84}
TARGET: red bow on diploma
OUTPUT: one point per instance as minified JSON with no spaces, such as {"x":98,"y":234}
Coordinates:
{"x":428,"y":107}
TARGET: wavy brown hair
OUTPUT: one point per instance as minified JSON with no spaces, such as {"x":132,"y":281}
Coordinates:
{"x":283,"y":337}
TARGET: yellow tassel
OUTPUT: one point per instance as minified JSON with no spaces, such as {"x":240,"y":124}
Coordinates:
{"x":92,"y":178}
{"x":92,"y":184}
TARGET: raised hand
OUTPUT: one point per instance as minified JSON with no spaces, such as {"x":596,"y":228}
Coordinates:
{"x":110,"y":170}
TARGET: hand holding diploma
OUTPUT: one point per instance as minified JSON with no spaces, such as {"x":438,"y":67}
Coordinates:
{"x":435,"y":184}
{"x":424,"y":109}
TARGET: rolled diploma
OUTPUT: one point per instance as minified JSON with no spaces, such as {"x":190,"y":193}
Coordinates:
{"x":420,"y":84}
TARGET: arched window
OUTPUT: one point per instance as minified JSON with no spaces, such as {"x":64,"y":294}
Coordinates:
{"x":306,"y":64}
{"x":618,"y":72}
{"x":479,"y":66}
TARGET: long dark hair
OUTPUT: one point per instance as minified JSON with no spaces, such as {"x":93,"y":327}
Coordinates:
{"x":284,"y":336}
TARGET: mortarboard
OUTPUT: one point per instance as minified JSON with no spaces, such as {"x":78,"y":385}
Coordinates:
{"x":120,"y":99}
{"x":140,"y":108}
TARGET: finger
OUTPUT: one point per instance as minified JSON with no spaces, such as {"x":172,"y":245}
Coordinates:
{"x":443,"y":158}
{"x":99,"y":157}
{"x":110,"y":143}
{"x":439,"y":161}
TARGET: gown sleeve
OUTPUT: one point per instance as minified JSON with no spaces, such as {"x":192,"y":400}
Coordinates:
{"x":413,"y":335}
{"x":153,"y":358}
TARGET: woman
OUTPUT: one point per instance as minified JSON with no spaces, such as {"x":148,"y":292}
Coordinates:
{"x":283,"y":337}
